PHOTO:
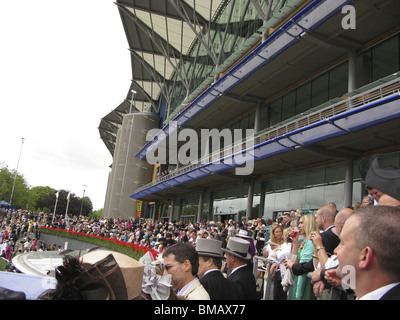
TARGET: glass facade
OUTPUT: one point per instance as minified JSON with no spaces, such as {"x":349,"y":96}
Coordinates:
{"x":373,"y":64}
{"x":307,"y":189}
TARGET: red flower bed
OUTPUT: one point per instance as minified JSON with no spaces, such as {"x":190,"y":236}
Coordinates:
{"x":132,"y":249}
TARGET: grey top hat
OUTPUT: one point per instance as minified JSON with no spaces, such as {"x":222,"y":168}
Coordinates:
{"x":209,"y":248}
{"x":386,"y":180}
{"x":238,"y":247}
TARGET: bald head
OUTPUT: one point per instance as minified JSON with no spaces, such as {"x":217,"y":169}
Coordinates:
{"x":325,"y":217}
{"x":341,"y":218}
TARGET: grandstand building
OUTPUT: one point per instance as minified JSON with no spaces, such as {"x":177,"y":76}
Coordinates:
{"x":316,"y":81}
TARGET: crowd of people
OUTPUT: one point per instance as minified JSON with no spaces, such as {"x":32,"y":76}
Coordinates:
{"x":307,"y":254}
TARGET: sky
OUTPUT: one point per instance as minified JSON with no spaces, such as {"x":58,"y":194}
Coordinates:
{"x":64,"y":65}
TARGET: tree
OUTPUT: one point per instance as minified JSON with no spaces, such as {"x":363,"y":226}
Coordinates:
{"x":20,"y":195}
{"x":39,"y":199}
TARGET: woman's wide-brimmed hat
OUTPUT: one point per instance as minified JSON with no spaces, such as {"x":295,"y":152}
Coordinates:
{"x":238,"y":247}
{"x":243,"y":234}
{"x":385,"y":179}
{"x":131,"y":270}
{"x":209,"y":248}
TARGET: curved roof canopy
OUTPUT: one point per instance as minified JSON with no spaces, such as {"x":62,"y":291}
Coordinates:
{"x":178,"y":48}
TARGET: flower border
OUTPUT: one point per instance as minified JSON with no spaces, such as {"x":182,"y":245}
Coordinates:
{"x":133,"y":250}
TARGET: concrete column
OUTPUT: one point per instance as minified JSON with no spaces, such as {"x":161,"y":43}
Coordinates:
{"x":348,"y":183}
{"x":180,"y":209}
{"x":200,"y":206}
{"x":250,"y":199}
{"x":257,"y":119}
{"x":172,"y":211}
{"x":262,"y":199}
{"x":211,"y":207}
{"x":128,"y":172}
{"x":352,"y":76}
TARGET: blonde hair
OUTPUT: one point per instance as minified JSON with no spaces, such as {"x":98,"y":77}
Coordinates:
{"x":309,"y":224}
{"x":286,"y":233}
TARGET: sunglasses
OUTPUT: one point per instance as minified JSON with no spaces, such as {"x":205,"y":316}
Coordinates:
{"x":167,"y":267}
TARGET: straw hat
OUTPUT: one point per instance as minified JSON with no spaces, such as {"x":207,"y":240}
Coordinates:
{"x":209,"y":248}
{"x":238,"y":247}
{"x":131,"y":269}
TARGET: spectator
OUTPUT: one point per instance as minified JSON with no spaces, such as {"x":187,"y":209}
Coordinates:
{"x":325,"y":219}
{"x":372,"y":250}
{"x":325,"y":261}
{"x":237,"y":256}
{"x":386,"y":200}
{"x":304,"y":251}
{"x":210,"y":263}
{"x":182,"y":262}
{"x":281,"y":250}
{"x":379,"y":179}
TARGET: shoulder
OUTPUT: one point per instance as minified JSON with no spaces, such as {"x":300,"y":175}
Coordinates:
{"x":197,"y":292}
{"x":392,"y":294}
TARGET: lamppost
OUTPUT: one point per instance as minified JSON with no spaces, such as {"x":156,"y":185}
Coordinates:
{"x":16,"y":171}
{"x":84,"y":186}
{"x":133,"y":96}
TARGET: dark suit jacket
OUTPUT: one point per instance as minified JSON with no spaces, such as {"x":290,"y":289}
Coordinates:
{"x":392,"y":294}
{"x":246,"y":281}
{"x":218,"y":287}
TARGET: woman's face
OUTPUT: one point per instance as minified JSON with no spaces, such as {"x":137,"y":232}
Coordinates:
{"x":278,"y":233}
{"x":301,"y":225}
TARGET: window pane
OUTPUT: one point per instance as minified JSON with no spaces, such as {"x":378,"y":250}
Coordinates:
{"x":303,"y":98}
{"x":276,"y":111}
{"x":385,"y":59}
{"x":320,"y":90}
{"x":338,"y":81}
{"x":289,"y":105}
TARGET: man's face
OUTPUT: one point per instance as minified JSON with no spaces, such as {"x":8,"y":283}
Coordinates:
{"x":229,"y":261}
{"x":285,"y":219}
{"x":174,"y":268}
{"x":348,"y":252}
{"x":319,"y":220}
{"x":376,"y":194}
{"x":202,"y":267}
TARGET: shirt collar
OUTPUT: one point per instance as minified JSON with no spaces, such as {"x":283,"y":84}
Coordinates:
{"x":184,"y":289}
{"x":378,"y":293}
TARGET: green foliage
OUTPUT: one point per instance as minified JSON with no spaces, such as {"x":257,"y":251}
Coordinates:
{"x":96,"y":214}
{"x":20,"y":195}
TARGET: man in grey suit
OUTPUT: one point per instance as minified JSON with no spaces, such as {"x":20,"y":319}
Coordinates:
{"x":210,"y":263}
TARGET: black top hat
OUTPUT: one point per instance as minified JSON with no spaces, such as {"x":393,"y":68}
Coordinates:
{"x":386,"y":180}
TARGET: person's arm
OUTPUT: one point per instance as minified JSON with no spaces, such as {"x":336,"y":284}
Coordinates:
{"x":319,"y":249}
